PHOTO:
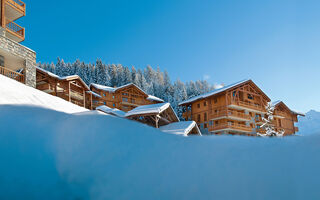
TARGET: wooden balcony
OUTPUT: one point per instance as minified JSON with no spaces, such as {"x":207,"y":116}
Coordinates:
{"x":231,"y":127}
{"x":247,"y":105}
{"x":12,"y":74}
{"x":14,"y":31}
{"x":17,"y":4}
{"x":225,"y":113}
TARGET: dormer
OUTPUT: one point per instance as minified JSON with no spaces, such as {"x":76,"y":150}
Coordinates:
{"x":10,"y":11}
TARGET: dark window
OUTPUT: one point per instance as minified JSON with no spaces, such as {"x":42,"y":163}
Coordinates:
{"x":104,"y":103}
{"x":113,"y":97}
{"x":199,"y":118}
{"x":133,"y":100}
{"x":114,"y":105}
{"x":125,"y":94}
{"x":205,"y":125}
{"x":198,"y":105}
{"x":217,"y":122}
{"x":124,"y":99}
{"x":215,"y":100}
{"x":234,"y":93}
{"x":205,"y":103}
{"x":205,"y":116}
{"x":250,"y":96}
{"x":1,"y":61}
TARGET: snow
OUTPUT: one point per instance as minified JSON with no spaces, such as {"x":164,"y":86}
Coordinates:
{"x":13,"y":92}
{"x":149,"y":109}
{"x":53,"y":155}
{"x":153,"y":98}
{"x":180,"y":128}
{"x":113,"y":111}
{"x":310,"y":124}
{"x":216,"y":91}
{"x":102,"y":87}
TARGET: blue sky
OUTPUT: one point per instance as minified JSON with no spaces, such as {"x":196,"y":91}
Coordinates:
{"x":276,"y":42}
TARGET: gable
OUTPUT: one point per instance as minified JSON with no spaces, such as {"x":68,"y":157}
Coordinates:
{"x":132,"y":89}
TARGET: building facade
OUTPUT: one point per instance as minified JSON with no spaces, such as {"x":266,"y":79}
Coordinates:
{"x":124,"y":98}
{"x":13,"y":55}
{"x":69,"y":88}
{"x":234,"y":109}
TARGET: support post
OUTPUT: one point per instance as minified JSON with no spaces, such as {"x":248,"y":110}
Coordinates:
{"x":84,"y":99}
{"x":69,"y":91}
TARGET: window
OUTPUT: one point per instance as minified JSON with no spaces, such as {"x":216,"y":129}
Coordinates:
{"x":205,"y":125}
{"x":234,"y":93}
{"x":113,"y":97}
{"x":104,"y":94}
{"x":1,"y":61}
{"x":217,"y":122}
{"x":279,"y":120}
{"x":133,"y":100}
{"x":250,"y":96}
{"x":104,"y":103}
{"x":124,"y":99}
{"x":199,"y":118}
{"x":205,"y":103}
{"x":114,"y":105}
{"x":211,"y":123}
{"x":125,"y":94}
{"x":205,"y":116}
{"x":215,"y":100}
{"x":198,"y":105}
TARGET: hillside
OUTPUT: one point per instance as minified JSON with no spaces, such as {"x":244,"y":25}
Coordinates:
{"x":310,"y":124}
{"x":48,"y":154}
{"x":13,"y":92}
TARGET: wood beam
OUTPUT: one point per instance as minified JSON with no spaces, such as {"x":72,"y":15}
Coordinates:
{"x":3,"y":21}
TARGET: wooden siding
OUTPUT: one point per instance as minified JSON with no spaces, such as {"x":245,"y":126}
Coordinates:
{"x":238,"y":110}
{"x":124,"y":99}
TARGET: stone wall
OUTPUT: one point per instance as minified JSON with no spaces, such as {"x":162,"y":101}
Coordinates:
{"x":28,"y":55}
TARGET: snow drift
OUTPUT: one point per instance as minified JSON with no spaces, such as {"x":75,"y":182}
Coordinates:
{"x":13,"y":92}
{"x":53,"y":155}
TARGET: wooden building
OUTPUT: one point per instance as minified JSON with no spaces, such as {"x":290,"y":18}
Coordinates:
{"x":234,"y":109}
{"x":13,"y":55}
{"x":155,"y":115}
{"x":69,"y":88}
{"x":285,"y":118}
{"x":125,"y":98}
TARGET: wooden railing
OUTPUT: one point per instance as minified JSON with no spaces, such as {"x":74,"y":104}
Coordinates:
{"x":15,"y":29}
{"x":248,"y":105}
{"x":229,"y":113}
{"x":234,"y":126}
{"x":12,"y":74}
{"x":17,"y":4}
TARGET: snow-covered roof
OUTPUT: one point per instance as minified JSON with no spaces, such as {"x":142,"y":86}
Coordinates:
{"x":150,"y":109}
{"x":94,"y":94}
{"x":64,"y":78}
{"x":216,"y":91}
{"x":112,"y":111}
{"x":275,"y":103}
{"x":154,"y":98}
{"x":180,"y":128}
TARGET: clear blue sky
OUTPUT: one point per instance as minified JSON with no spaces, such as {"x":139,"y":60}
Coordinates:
{"x":276,"y":42}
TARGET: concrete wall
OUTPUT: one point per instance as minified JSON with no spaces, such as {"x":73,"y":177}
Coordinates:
{"x":18,"y":50}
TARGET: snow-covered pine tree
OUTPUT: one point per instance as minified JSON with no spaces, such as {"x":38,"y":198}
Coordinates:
{"x":268,"y":125}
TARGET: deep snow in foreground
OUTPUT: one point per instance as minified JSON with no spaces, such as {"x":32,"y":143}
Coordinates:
{"x":50,"y":155}
{"x":13,"y":92}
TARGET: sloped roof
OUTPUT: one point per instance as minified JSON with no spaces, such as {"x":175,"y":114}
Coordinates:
{"x":153,"y":109}
{"x":113,"y":111}
{"x":64,"y":78}
{"x":180,"y":128}
{"x":223,"y":89}
{"x":277,"y":103}
{"x":154,"y":98}
{"x":94,"y":94}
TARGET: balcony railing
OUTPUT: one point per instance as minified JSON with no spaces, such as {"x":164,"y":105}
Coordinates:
{"x":17,"y":4}
{"x":229,"y":113}
{"x":12,"y":74}
{"x":248,"y":105}
{"x":15,"y":29}
{"x":234,"y":126}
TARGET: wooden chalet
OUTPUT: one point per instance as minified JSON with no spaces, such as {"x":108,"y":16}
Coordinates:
{"x":155,"y":115}
{"x":285,"y":118}
{"x":70,"y":88}
{"x":125,"y":98}
{"x":234,"y":109}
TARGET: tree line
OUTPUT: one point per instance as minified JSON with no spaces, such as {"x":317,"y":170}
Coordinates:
{"x":153,"y":81}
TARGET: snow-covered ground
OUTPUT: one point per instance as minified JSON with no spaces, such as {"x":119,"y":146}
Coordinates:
{"x":48,"y":154}
{"x":13,"y":92}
